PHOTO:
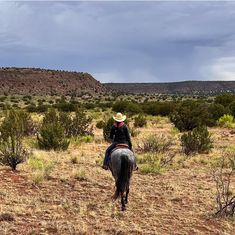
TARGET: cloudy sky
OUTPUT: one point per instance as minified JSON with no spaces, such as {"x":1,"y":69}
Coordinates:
{"x":122,"y":41}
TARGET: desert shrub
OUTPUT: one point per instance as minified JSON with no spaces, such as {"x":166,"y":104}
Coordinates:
{"x":27,"y":97}
{"x":216,"y":111}
{"x":17,"y":123}
{"x":225,"y":99}
{"x":226,"y":121}
{"x":65,"y":120}
{"x":74,"y":160}
{"x":191,"y":114}
{"x":86,"y":139}
{"x":81,"y":124}
{"x":151,"y":108}
{"x":15,"y":106}
{"x":12,"y":151}
{"x":100,"y":124}
{"x":52,"y":136}
{"x":232,"y":108}
{"x":13,"y":128}
{"x":42,"y":108}
{"x":119,"y":106}
{"x":65,"y":107}
{"x":88,"y":105}
{"x":77,"y":125}
{"x":134,"y":132}
{"x":107,"y":128}
{"x":150,"y":164}
{"x":31,"y":108}
{"x":156,"y":144}
{"x":222,"y":174}
{"x":196,"y":141}
{"x":81,"y":175}
{"x":158,"y":108}
{"x":133,"y":108}
{"x":140,"y":121}
{"x":3,"y":98}
{"x":51,"y":116}
{"x":41,"y":169}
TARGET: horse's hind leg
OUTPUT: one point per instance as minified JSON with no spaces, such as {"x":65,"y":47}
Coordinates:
{"x":126,"y":198}
{"x":123,"y":203}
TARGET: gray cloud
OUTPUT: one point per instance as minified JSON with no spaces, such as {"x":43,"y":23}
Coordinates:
{"x":122,"y":41}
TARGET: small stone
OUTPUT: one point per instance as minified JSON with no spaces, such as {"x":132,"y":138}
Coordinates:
{"x":6,"y":217}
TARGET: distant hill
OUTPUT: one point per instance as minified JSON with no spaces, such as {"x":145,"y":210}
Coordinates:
{"x":31,"y":81}
{"x":187,"y":87}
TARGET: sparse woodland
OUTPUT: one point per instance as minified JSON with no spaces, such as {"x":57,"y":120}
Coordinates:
{"x":52,"y":148}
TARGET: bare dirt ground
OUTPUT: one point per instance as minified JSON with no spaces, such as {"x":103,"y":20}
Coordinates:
{"x":180,"y":200}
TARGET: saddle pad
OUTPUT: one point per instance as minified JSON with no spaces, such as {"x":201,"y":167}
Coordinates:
{"x":118,"y":146}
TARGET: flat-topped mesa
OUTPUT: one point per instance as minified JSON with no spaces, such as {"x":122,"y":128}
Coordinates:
{"x":185,"y":88}
{"x":35,"y":81}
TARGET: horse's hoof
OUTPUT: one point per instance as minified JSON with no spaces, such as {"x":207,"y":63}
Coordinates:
{"x":126,"y":201}
{"x":123,"y":208}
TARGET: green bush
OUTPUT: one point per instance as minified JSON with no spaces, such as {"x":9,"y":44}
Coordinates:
{"x":100,"y":124}
{"x":134,"y":132}
{"x":232,"y":108}
{"x":158,"y":108}
{"x":225,"y":99}
{"x":226,"y":121}
{"x":65,"y":107}
{"x":157,"y":144}
{"x":81,"y":124}
{"x":42,"y":108}
{"x":12,"y":151}
{"x":77,"y":125}
{"x":119,"y":106}
{"x":150,"y":164}
{"x":17,"y":123}
{"x":133,"y":108}
{"x":13,"y":128}
{"x":107,"y":129}
{"x":191,"y":114}
{"x":216,"y":111}
{"x":41,"y":169}
{"x":52,"y":136}
{"x":140,"y":121}
{"x":197,"y":141}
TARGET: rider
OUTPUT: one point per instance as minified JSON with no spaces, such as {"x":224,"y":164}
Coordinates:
{"x":119,"y":134}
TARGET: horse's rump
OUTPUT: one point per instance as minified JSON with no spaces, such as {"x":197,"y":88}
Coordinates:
{"x":115,"y":159}
{"x":121,"y":164}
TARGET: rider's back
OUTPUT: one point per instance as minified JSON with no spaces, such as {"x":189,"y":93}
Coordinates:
{"x":120,"y":134}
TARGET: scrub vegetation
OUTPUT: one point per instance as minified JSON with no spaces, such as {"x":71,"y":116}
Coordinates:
{"x":51,"y":151}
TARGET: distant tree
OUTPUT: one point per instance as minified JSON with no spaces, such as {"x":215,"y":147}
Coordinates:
{"x":225,"y":99}
{"x":232,"y":108}
{"x":190,"y":114}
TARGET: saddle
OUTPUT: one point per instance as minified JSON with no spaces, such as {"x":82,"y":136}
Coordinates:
{"x":119,"y":146}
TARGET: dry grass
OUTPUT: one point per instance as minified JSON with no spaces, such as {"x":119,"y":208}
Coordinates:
{"x":76,"y":198}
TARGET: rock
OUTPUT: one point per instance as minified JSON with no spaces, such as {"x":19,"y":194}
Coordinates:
{"x":6,"y":217}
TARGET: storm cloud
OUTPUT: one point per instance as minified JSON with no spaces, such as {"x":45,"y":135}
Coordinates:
{"x":122,"y":41}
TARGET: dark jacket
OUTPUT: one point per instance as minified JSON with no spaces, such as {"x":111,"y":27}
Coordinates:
{"x":120,"y":135}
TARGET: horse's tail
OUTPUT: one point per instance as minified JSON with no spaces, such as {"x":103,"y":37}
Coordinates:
{"x":123,"y":177}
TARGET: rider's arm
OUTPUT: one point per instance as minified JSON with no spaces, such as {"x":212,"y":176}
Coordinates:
{"x":128,"y":138}
{"x":112,"y":133}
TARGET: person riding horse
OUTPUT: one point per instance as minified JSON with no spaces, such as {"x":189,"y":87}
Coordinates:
{"x":119,"y":134}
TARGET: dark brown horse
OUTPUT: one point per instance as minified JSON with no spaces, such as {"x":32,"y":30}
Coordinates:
{"x":122,"y":164}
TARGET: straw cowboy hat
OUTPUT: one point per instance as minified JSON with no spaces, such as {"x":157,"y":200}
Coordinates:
{"x":119,"y":117}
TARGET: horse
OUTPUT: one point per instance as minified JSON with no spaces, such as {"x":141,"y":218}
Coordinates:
{"x":122,"y":164}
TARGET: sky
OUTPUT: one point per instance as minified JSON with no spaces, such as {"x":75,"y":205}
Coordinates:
{"x":119,"y":41}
